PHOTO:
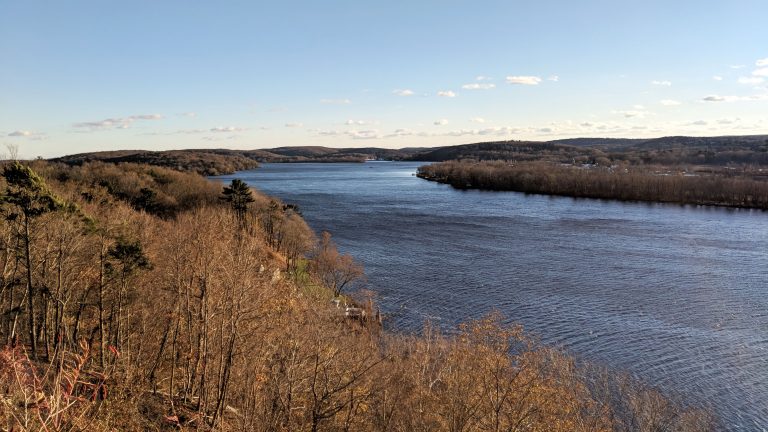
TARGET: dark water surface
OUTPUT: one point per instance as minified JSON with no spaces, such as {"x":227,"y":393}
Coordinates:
{"x":677,"y":295}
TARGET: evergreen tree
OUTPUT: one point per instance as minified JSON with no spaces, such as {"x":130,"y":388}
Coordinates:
{"x":30,"y":198}
{"x":239,"y":195}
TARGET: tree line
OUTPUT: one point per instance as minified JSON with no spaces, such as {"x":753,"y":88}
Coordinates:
{"x":654,"y":184}
{"x":200,"y":306}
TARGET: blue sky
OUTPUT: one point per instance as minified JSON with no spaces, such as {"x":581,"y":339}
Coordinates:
{"x":81,"y":76}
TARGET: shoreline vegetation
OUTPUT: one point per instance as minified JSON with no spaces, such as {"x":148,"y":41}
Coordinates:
{"x":137,"y":297}
{"x":622,"y":183}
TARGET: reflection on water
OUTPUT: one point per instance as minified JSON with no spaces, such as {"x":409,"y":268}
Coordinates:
{"x":677,"y":295}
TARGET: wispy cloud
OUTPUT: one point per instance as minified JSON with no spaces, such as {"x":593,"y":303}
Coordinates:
{"x":399,"y":133}
{"x":762,"y":62}
{"x":632,"y":113}
{"x":524,"y":80}
{"x":188,"y":114}
{"x":220,"y":138}
{"x":751,"y":80}
{"x":179,"y":132}
{"x":37,"y":136}
{"x":403,"y":92}
{"x":330,"y":132}
{"x":478,"y":86}
{"x":446,"y":93}
{"x":554,"y":78}
{"x":357,"y":122}
{"x":116,"y":123}
{"x":737,"y":66}
{"x":20,"y":133}
{"x":717,"y":78}
{"x":477,"y":120}
{"x":441,"y":122}
{"x":294,"y":125}
{"x":335,"y":101}
{"x":221,"y":129}
{"x":363,"y":134}
{"x":760,"y":72}
{"x":718,"y":98}
{"x":670,"y":102}
{"x":497,"y":131}
{"x":482,"y":78}
{"x":663,"y":83}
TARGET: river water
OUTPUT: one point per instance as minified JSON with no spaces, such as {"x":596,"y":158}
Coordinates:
{"x":677,"y":295}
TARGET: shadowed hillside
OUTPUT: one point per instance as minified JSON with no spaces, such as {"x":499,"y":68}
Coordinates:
{"x":136,"y":297}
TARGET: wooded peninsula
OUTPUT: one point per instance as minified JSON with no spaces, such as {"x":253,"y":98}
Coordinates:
{"x":140,"y":297}
{"x":720,"y":171}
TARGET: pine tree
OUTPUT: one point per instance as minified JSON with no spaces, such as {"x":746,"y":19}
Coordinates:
{"x":239,"y":195}
{"x":29,"y":195}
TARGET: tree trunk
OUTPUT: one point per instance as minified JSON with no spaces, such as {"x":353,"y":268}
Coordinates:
{"x":30,"y":290}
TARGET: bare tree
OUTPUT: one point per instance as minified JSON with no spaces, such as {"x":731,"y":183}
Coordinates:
{"x":334,"y":270}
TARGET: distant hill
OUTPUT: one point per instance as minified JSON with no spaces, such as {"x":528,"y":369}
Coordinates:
{"x":206,"y":162}
{"x":723,"y":150}
{"x":226,"y":161}
{"x":505,"y":150}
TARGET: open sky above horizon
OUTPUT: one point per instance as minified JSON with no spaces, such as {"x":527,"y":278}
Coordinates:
{"x":81,"y":76}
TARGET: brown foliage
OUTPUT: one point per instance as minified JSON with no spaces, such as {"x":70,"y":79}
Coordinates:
{"x":210,"y":334}
{"x":601,"y":182}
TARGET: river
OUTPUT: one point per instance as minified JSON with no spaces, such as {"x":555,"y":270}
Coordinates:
{"x":677,"y":295}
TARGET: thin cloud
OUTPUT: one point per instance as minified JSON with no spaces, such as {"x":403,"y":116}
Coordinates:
{"x":477,"y":120}
{"x":760,"y":72}
{"x":20,"y":133}
{"x":751,"y":80}
{"x":717,"y":78}
{"x":399,"y":133}
{"x":496,"y":131}
{"x":478,"y":86}
{"x":441,"y":122}
{"x":483,"y":78}
{"x":446,"y":93}
{"x":664,"y":83}
{"x":364,"y":134}
{"x":717,"y":98}
{"x":403,"y":92}
{"x":632,"y":113}
{"x":524,"y":80}
{"x":762,"y":62}
{"x":737,"y":66}
{"x":356,"y":122}
{"x":189,"y":114}
{"x":230,"y":129}
{"x":670,"y":102}
{"x":36,"y":136}
{"x":294,"y":125}
{"x":335,"y":101}
{"x":146,"y":117}
{"x":554,"y":78}
{"x":330,"y":133}
{"x":116,"y":123}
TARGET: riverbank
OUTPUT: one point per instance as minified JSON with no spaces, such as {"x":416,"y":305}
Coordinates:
{"x":602,"y":182}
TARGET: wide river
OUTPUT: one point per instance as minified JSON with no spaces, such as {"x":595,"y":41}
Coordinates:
{"x":677,"y":295}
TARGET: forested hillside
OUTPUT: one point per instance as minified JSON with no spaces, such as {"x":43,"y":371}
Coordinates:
{"x":136,"y":297}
